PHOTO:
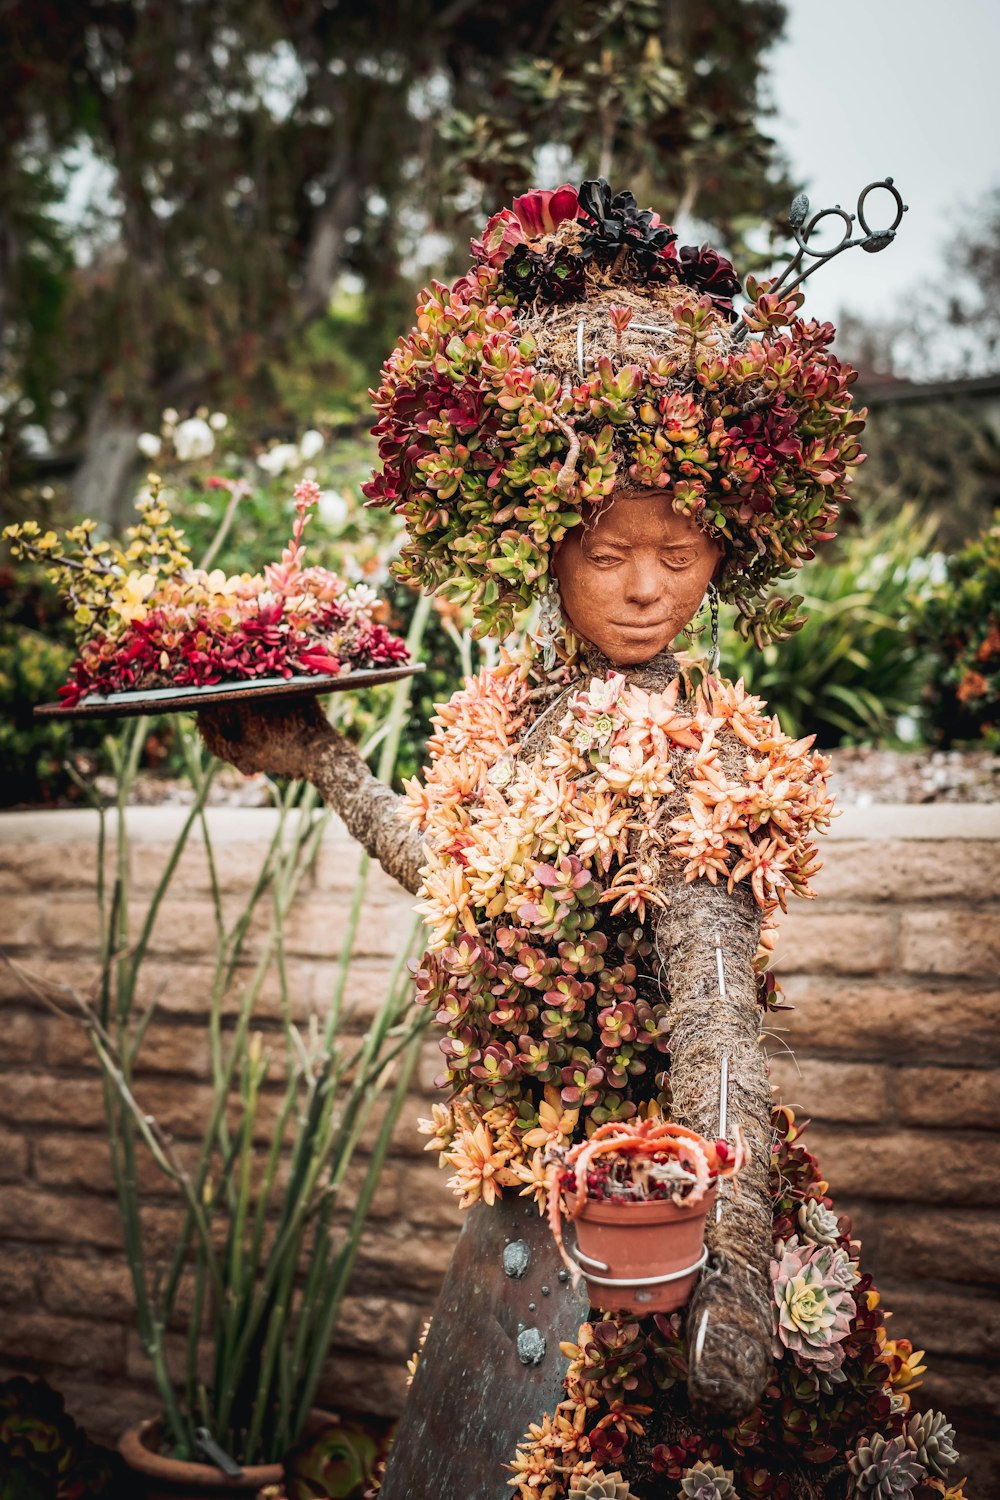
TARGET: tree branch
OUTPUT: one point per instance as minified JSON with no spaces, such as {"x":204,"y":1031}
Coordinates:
{"x":297,"y":740}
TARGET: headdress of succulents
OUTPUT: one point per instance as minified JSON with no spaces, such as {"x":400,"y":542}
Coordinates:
{"x":585,"y":353}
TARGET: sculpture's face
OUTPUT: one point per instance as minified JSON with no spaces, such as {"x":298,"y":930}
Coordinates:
{"x":632,"y":580}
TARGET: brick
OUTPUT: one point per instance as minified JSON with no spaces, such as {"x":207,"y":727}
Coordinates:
{"x":938,"y":1244}
{"x":430,"y":1202}
{"x":165,"y":1048}
{"x":431,"y":1063}
{"x":21,"y":920}
{"x":62,"y":1219}
{"x":338,"y":861}
{"x":377,"y":1325}
{"x":77,"y":1344}
{"x":830,"y":1090}
{"x":970,"y":1389}
{"x":903,"y":1022}
{"x":179,"y":1106}
{"x":184,"y":926}
{"x":365,"y":992}
{"x":72,"y":923}
{"x":960,"y":1324}
{"x":13,"y":1156}
{"x":80,"y":1161}
{"x":937,"y":940}
{"x":956,"y":1096}
{"x":407,"y":1140}
{"x":34,"y":864}
{"x":355,"y":1382}
{"x":864,"y":870}
{"x":16,"y":992}
{"x":315,"y":926}
{"x":815,"y":942}
{"x":980,"y":1459}
{"x":395,"y":1256}
{"x":137,"y":1364}
{"x":161,"y":1229}
{"x":392,"y":1190}
{"x":920,"y":1165}
{"x":105,"y":1408}
{"x":18,"y":1278}
{"x":20,"y":1037}
{"x":237,"y":866}
{"x":37,"y":1098}
{"x":98,"y":1289}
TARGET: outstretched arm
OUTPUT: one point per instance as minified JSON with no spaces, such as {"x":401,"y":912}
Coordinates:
{"x":715,"y":1036}
{"x":298,"y":740}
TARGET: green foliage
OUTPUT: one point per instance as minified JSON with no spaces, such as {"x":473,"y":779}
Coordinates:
{"x":272,"y":148}
{"x":44,"y":1455}
{"x":36,"y":648}
{"x":267,"y":1238}
{"x":664,"y":100}
{"x":852,"y":670}
{"x":943,"y":455}
{"x":958,"y":626}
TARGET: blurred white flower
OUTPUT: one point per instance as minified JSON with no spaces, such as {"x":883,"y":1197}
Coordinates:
{"x":170,"y":416}
{"x":148,"y":444}
{"x":279,"y":458}
{"x":218,"y":420}
{"x":333,"y":508}
{"x":310,"y":444}
{"x":360,"y":599}
{"x":193,"y":439}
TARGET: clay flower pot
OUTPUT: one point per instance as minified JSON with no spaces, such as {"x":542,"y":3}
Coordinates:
{"x":639,"y":1248}
{"x":176,"y":1479}
{"x":641,"y":1257}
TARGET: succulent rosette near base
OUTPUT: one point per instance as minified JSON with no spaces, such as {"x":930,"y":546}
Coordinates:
{"x":148,"y":619}
{"x":582,"y":352}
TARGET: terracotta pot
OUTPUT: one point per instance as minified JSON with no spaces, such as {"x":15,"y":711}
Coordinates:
{"x":641,"y":1257}
{"x":176,"y":1479}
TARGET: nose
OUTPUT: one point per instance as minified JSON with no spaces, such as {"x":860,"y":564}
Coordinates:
{"x":642,"y":583}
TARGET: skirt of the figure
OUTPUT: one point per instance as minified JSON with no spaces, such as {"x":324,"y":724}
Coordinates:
{"x":491,"y":1363}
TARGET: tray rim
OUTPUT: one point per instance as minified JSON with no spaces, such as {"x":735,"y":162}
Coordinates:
{"x":136,"y":702}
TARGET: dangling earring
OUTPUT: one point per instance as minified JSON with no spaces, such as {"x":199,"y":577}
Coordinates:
{"x":548,"y":627}
{"x":713,"y":610}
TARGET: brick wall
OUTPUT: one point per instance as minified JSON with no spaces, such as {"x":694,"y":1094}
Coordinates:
{"x":893,"y":973}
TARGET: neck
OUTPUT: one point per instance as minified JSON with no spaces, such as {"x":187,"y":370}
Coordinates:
{"x":655,"y":673}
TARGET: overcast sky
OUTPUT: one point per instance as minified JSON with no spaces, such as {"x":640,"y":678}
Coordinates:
{"x":905,"y":88}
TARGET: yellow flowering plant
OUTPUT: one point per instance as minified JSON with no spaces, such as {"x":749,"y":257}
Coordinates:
{"x":146,"y":618}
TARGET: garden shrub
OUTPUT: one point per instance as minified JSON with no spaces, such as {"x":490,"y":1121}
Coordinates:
{"x":957,"y":624}
{"x":853,"y":670}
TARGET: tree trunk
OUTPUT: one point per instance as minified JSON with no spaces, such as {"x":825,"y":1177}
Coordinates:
{"x":102,"y":485}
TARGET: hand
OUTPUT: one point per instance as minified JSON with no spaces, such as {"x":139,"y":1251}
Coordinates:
{"x":282,"y":739}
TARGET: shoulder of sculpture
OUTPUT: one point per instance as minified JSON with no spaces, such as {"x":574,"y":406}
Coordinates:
{"x":753,"y":738}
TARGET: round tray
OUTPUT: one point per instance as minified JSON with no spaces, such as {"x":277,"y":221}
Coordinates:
{"x":181,"y":699}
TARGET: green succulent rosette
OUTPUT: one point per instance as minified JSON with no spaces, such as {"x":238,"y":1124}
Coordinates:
{"x":583,"y":352}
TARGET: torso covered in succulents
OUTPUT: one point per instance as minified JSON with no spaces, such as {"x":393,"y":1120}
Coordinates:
{"x":547,"y":875}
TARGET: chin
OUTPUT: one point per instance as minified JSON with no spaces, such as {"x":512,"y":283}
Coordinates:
{"x":632,"y":653}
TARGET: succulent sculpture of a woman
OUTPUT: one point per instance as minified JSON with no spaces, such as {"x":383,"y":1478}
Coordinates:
{"x":600,"y":843}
